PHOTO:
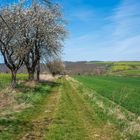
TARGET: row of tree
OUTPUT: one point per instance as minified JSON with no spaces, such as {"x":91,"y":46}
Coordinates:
{"x":30,"y":34}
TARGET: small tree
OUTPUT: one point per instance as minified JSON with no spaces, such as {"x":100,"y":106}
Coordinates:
{"x":56,"y":67}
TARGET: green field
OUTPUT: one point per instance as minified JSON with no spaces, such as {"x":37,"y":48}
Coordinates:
{"x":64,"y":109}
{"x":122,"y":90}
{"x":125,"y":68}
{"x":136,"y":63}
{"x":5,"y":79}
{"x":122,"y":68}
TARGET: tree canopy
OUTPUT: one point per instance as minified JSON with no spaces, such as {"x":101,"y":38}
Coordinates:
{"x":29,"y":35}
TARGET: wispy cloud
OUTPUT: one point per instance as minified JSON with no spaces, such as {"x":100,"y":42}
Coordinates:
{"x":104,"y":32}
{"x":126,"y":18}
{"x":122,"y":34}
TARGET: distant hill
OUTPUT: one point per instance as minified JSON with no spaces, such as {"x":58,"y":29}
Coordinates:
{"x":84,"y":67}
{"x":81,"y":67}
{"x":126,"y":68}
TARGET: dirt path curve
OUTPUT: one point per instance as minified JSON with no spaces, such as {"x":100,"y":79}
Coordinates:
{"x":42,"y":121}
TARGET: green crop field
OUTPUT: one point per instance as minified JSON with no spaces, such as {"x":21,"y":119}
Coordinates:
{"x":122,"y":90}
{"x":123,"y":68}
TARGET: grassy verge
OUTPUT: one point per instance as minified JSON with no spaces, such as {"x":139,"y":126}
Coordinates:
{"x":122,"y":90}
{"x":126,"y":122}
{"x":21,"y":108}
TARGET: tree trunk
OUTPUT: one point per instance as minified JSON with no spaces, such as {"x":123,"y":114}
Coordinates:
{"x":13,"y":81}
{"x":31,"y":75}
{"x":38,"y":71}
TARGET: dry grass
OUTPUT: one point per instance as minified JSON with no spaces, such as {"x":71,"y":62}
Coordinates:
{"x":47,"y":77}
{"x":9,"y":104}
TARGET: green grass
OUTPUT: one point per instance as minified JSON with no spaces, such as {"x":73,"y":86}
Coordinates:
{"x":6,"y":78}
{"x":120,"y":67}
{"x":131,"y":72}
{"x":66,"y":126}
{"x":110,"y":111}
{"x":124,"y":68}
{"x":136,"y":63}
{"x":66,"y":110}
{"x":124,"y":91}
{"x":128,"y":63}
{"x":14,"y":122}
{"x":77,"y":119}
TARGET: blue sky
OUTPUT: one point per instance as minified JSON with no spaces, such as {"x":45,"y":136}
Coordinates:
{"x":107,"y":30}
{"x":102,"y":29}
